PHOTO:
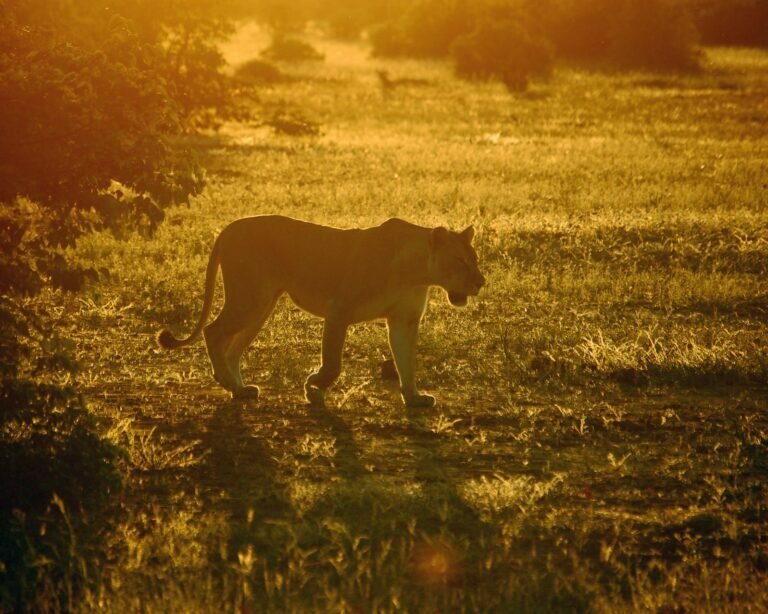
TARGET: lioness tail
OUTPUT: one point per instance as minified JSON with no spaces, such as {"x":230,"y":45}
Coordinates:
{"x":165,"y":338}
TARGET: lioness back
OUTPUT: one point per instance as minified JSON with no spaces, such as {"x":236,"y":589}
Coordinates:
{"x":285,"y":249}
{"x":317,"y":265}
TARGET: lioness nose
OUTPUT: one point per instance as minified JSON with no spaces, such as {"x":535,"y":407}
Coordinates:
{"x":481,"y":280}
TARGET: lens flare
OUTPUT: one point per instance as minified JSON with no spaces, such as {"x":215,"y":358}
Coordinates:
{"x":435,"y":564}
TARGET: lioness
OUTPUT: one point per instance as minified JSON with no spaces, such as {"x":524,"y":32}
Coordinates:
{"x":344,"y":276}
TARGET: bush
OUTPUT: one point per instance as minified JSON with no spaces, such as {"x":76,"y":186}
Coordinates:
{"x":88,"y":119}
{"x":93,"y":105}
{"x":654,"y":34}
{"x":427,"y":29}
{"x":258,"y":71}
{"x":731,"y":22}
{"x":505,"y":50}
{"x":579,"y":29}
{"x":286,"y":49}
{"x":184,"y":36}
{"x":58,"y":476}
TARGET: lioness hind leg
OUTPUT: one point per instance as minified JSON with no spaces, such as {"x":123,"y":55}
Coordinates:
{"x":217,"y":339}
{"x":229,"y":334}
{"x":254,"y":321}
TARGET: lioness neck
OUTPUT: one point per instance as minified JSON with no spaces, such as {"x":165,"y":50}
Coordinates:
{"x":414,"y":254}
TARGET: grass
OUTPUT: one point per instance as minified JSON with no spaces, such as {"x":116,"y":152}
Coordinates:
{"x":600,"y":441}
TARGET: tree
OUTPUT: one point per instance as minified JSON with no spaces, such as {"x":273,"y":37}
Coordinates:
{"x":506,"y":50}
{"x":654,"y":34}
{"x":90,"y":113}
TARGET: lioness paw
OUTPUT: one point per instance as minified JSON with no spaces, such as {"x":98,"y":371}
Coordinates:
{"x":419,"y":400}
{"x":315,"y":396}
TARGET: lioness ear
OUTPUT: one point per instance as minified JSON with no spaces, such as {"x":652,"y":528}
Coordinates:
{"x":439,"y":236}
{"x":468,"y":233}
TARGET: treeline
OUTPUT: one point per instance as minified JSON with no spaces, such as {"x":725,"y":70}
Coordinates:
{"x":517,"y":38}
{"x":731,"y":22}
{"x":514,"y":39}
{"x":718,"y":22}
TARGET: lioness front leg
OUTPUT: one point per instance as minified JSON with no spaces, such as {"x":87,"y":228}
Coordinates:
{"x":402,"y":341}
{"x":334,"y":334}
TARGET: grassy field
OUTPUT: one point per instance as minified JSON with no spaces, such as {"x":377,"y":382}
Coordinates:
{"x":600,"y":441}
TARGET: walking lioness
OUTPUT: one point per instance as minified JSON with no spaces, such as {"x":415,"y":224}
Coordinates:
{"x":344,"y":276}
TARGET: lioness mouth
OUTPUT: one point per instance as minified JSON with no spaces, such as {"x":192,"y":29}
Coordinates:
{"x":457,"y":298}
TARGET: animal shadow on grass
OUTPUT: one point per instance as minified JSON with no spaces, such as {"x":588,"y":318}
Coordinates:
{"x":240,"y":465}
{"x":444,"y":531}
{"x":445,"y":508}
{"x":347,"y":449}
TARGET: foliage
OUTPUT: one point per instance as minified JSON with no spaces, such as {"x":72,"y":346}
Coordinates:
{"x":731,"y":22}
{"x":94,"y":103}
{"x":287,"y":49}
{"x":628,"y":33}
{"x":87,"y":126}
{"x":186,"y":33}
{"x":426,"y":29}
{"x":503,"y":49}
{"x":579,"y":29}
{"x":260,"y":72}
{"x":58,"y":475}
{"x":655,"y":34}
{"x":79,"y":116}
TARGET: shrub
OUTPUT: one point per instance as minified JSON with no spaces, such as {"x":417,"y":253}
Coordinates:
{"x":505,"y":50}
{"x":57,"y":474}
{"x":731,"y":22}
{"x":93,"y":103}
{"x":287,"y":49}
{"x":388,"y":40}
{"x":654,"y":34}
{"x":427,"y":29}
{"x":259,"y":71}
{"x":88,"y":119}
{"x":579,"y":29}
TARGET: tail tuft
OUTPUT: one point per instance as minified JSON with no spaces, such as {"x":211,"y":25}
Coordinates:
{"x":166,"y":340}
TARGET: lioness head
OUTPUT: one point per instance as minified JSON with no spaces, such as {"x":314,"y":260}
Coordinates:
{"x":454,"y":264}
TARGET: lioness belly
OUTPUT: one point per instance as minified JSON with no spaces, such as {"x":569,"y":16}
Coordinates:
{"x":316,"y":305}
{"x":371,"y":308}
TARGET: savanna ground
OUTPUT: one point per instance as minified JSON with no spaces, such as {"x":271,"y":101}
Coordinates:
{"x":601,"y":435}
